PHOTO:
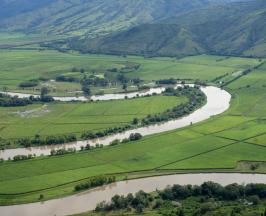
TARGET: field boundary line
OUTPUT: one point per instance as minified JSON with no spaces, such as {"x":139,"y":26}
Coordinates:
{"x":196,"y":155}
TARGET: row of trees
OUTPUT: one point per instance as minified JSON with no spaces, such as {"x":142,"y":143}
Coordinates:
{"x":196,"y":99}
{"x":23,"y":157}
{"x":29,"y":84}
{"x":214,"y":190}
{"x":64,"y":139}
{"x":88,"y":135}
{"x":132,"y":137}
{"x":62,"y":151}
{"x":63,"y":78}
{"x":170,"y":81}
{"x":95,"y":182}
{"x":48,"y":140}
{"x":8,"y":101}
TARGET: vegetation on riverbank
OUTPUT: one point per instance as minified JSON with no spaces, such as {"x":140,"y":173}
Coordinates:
{"x":95,"y":182}
{"x":204,"y":200}
{"x":10,"y":101}
{"x":196,"y":99}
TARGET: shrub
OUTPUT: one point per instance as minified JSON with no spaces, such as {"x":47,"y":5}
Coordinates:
{"x":28,"y":84}
{"x":95,"y":182}
{"x":135,"y":136}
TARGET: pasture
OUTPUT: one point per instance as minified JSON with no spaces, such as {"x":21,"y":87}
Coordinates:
{"x":18,"y":66}
{"x":66,"y":118}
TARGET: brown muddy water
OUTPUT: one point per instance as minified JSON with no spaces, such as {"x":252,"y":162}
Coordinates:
{"x":88,"y":200}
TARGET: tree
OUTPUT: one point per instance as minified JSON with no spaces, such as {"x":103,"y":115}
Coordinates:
{"x":254,"y":199}
{"x":74,"y":69}
{"x":44,"y":91}
{"x":41,"y":197}
{"x":135,"y":121}
{"x":181,"y":213}
{"x":136,"y":81}
{"x":86,"y":89}
{"x":124,"y":87}
{"x":44,"y":96}
{"x":5,"y":88}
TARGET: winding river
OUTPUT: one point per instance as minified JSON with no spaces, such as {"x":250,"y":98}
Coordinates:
{"x":218,"y":101}
{"x":88,"y":200}
{"x":103,"y":97}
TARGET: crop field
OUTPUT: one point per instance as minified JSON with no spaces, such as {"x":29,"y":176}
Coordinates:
{"x":18,"y":66}
{"x":222,"y":143}
{"x":66,"y":118}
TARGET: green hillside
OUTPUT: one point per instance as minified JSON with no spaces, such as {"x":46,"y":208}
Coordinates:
{"x":76,"y":17}
{"x":230,"y":29}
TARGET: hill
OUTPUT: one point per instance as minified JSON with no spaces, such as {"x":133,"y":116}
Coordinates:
{"x":93,"y":17}
{"x":229,"y":29}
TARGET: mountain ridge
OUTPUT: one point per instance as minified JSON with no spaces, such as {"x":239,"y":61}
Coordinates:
{"x":234,"y":29}
{"x":91,"y":17}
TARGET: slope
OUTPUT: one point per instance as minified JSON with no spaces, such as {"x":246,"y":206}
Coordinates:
{"x":94,"y":17}
{"x":230,"y":29}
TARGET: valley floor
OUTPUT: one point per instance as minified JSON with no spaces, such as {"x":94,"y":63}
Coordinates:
{"x":231,"y":142}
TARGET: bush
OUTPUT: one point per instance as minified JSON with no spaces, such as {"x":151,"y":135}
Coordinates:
{"x":8,"y":101}
{"x":28,"y":84}
{"x":115,"y":142}
{"x":62,"y":78}
{"x":135,"y":136}
{"x":22,"y":157}
{"x":254,"y":199}
{"x":62,"y":151}
{"x":49,"y":140}
{"x":95,"y":182}
{"x":167,"y":81}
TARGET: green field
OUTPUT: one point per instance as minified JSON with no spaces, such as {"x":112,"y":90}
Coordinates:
{"x":17,"y":66}
{"x":229,"y":142}
{"x":66,"y":118}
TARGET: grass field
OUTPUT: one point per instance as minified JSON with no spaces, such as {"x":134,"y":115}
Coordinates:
{"x":17,"y":66}
{"x":228,"y":142}
{"x":18,"y":39}
{"x":66,"y":118}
